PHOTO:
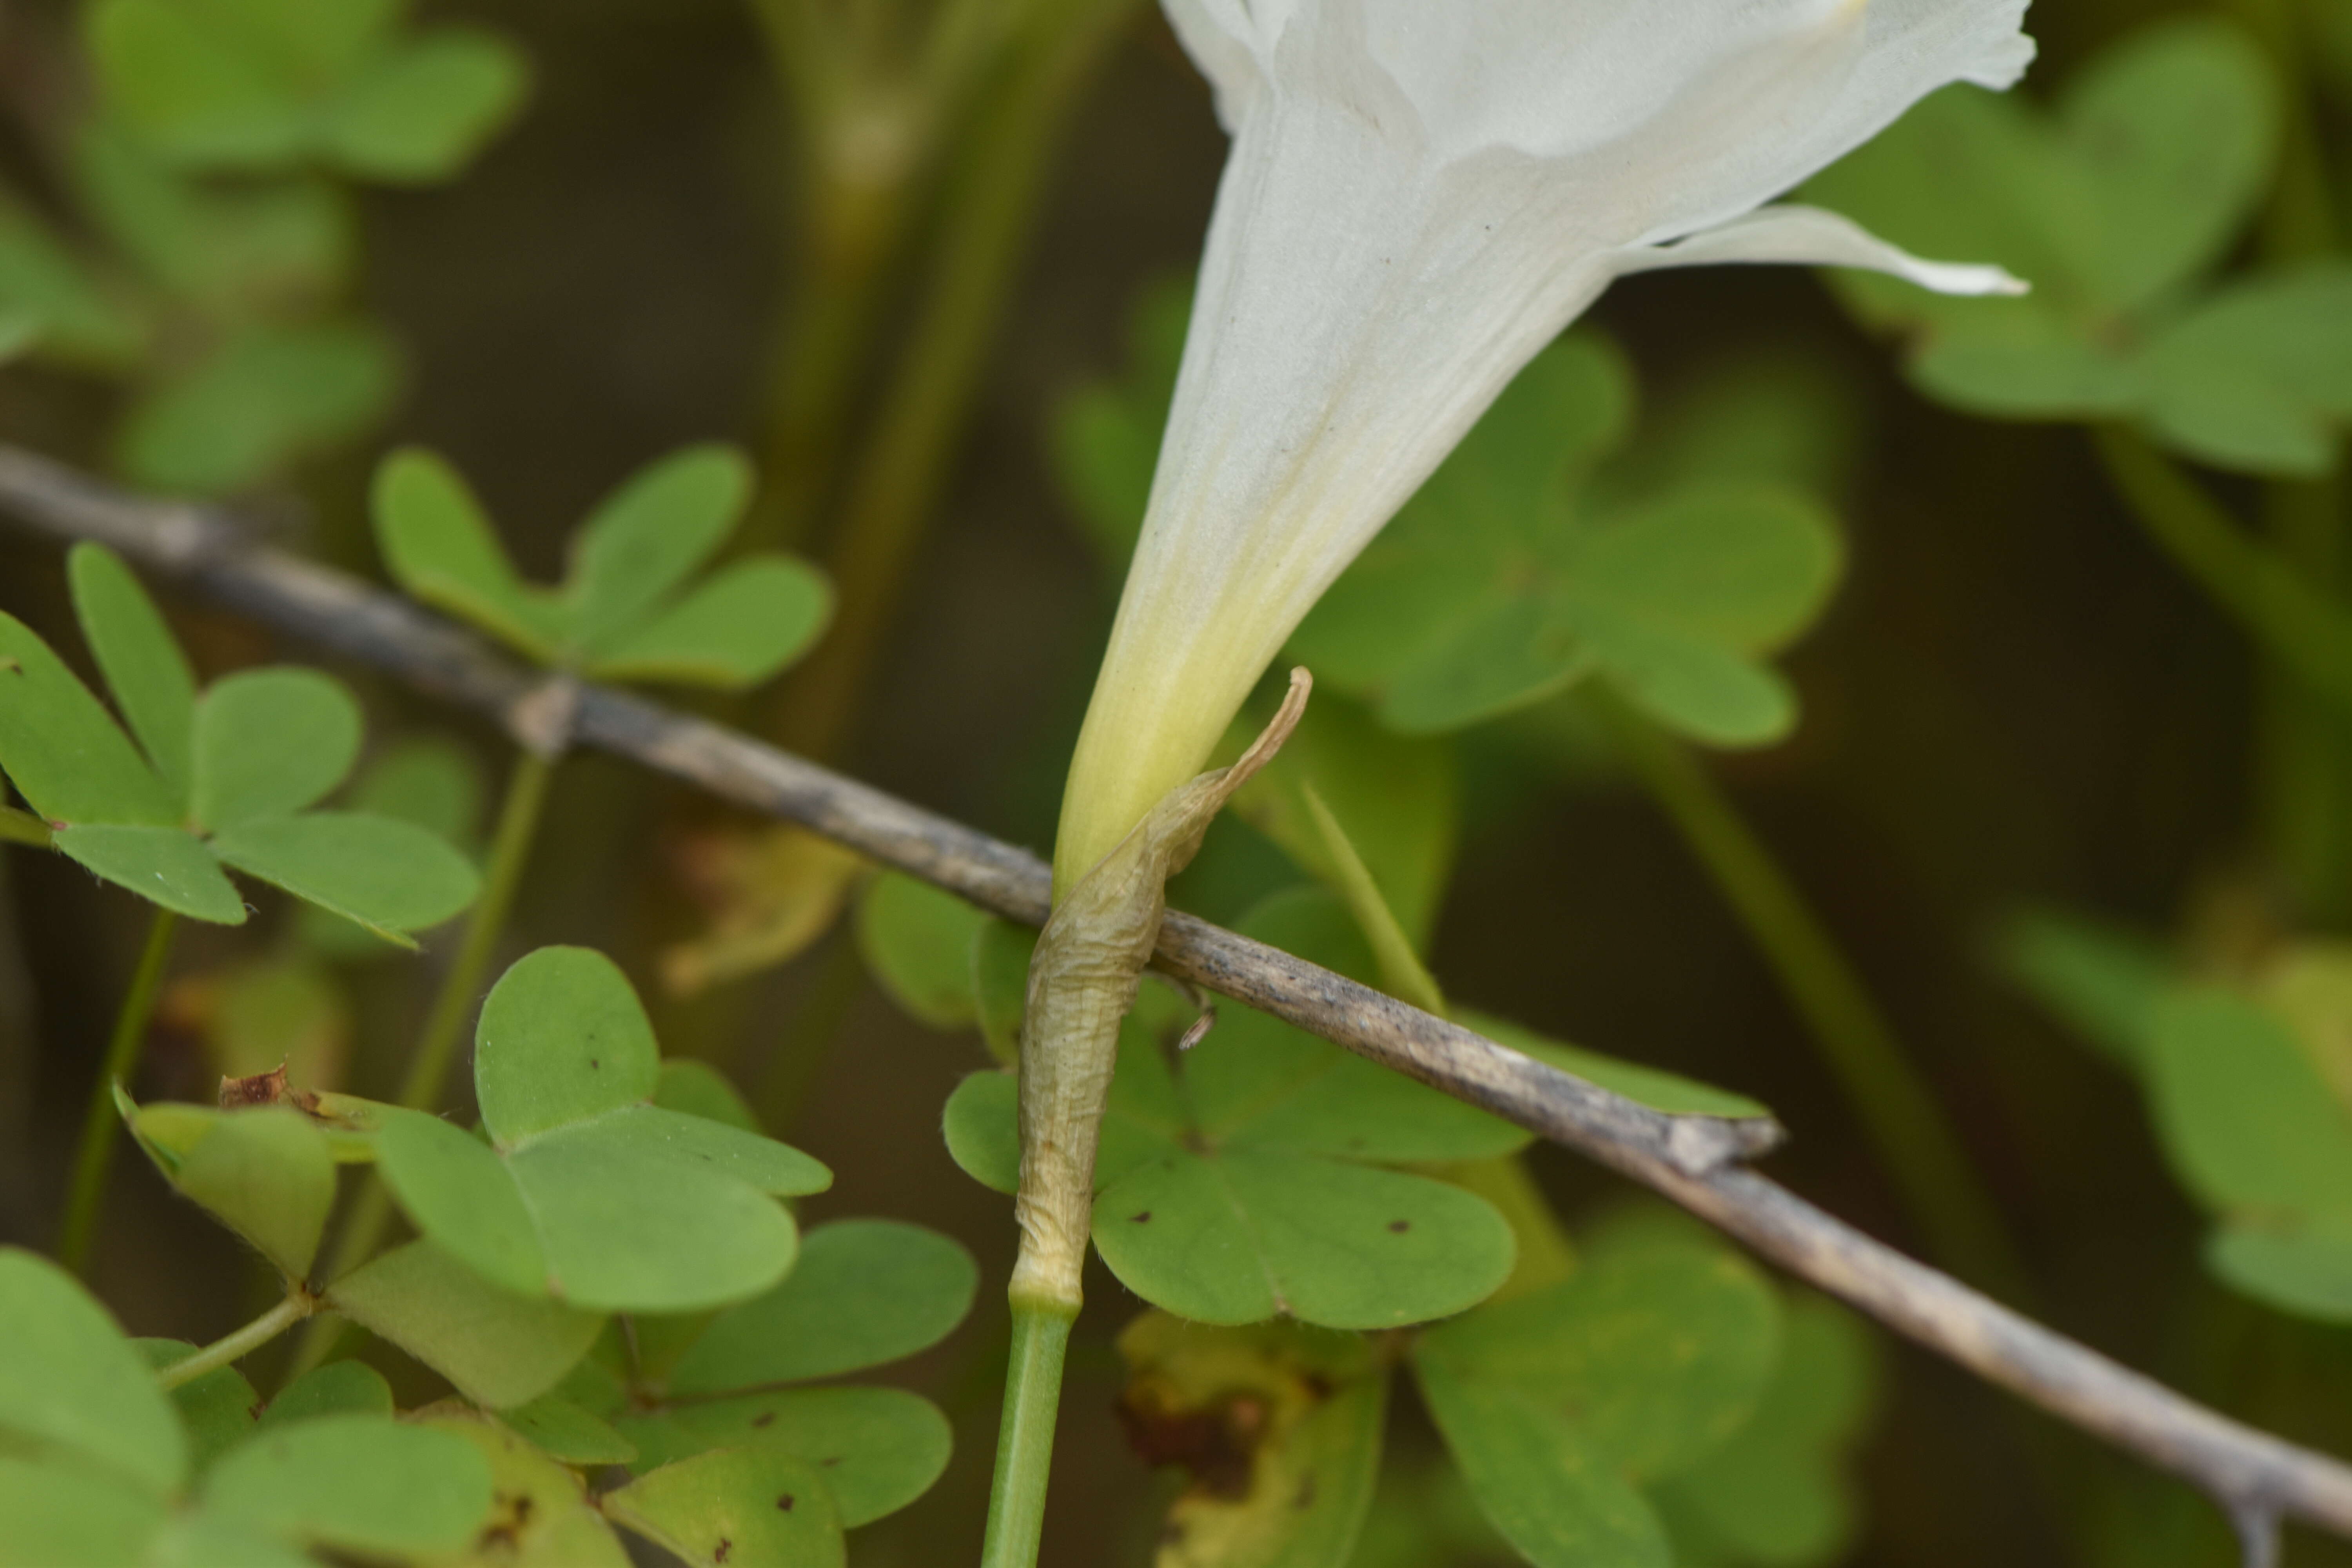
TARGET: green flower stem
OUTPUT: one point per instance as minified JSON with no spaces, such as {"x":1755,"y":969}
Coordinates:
{"x":1913,"y":1141}
{"x":98,"y":1123}
{"x":2309,"y":633}
{"x":297,"y":1306}
{"x":1025,"y":1441}
{"x":990,"y":210}
{"x":453,"y":1004}
{"x":23,"y":827}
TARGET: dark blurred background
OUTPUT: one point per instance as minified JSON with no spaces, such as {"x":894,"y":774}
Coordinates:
{"x":2013,"y":700}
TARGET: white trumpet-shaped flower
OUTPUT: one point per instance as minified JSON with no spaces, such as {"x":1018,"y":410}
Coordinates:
{"x":1420,"y":194}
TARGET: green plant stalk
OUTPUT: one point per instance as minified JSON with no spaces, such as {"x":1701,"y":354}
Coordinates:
{"x":2308,"y":632}
{"x":241,"y":1344}
{"x":23,"y":827}
{"x":98,"y":1123}
{"x":1025,"y":1440}
{"x":1912,"y":1140}
{"x":460,"y":991}
{"x":990,"y":212}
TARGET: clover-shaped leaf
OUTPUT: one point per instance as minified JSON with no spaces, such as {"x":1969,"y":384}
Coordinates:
{"x":628,"y":608}
{"x":1504,"y":580}
{"x":863,"y":1293}
{"x":1558,"y":1405}
{"x":585,"y":1191}
{"x":267,"y":394}
{"x":1254,"y":1187}
{"x":229,"y":778}
{"x":251,"y":86}
{"x":98,"y":1468}
{"x":2115,"y":206}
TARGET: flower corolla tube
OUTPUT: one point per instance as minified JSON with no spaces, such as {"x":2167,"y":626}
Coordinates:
{"x":1420,"y":196}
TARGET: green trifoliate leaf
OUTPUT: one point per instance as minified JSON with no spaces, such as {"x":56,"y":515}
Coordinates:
{"x":71,"y":1384}
{"x":874,"y":1450}
{"x":586,"y":1192}
{"x":144,"y":668}
{"x":499,"y":1348}
{"x":269,"y":395}
{"x":916,"y":940}
{"x":864,"y":1292}
{"x":762,"y":1503}
{"x":234,"y":251}
{"x":358,"y":1483}
{"x":1302,"y":1412}
{"x":1557,"y":1403}
{"x":630,"y":608}
{"x":2117,"y":209}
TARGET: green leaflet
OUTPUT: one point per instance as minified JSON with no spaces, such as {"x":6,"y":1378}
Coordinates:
{"x":763,"y":1502}
{"x":586,"y":1192}
{"x":500,"y":1348}
{"x":916,"y":940}
{"x":73,"y":1385}
{"x":251,"y":86}
{"x":636,"y":602}
{"x":1558,"y":1403}
{"x":266,"y":1172}
{"x":229,"y":778}
{"x":2116,"y":208}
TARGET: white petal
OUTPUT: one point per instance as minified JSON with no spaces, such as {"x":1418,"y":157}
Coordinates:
{"x":1811,"y":236}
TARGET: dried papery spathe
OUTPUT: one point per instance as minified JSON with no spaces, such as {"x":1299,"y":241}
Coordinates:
{"x":1420,"y":196}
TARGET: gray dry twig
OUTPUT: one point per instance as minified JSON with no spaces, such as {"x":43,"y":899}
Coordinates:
{"x":1698,"y":1161}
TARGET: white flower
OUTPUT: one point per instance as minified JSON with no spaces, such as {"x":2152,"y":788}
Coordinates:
{"x":1420,"y":194}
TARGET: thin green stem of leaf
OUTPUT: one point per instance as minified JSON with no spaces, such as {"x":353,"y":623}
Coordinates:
{"x":98,"y":1124}
{"x":453,"y":1005}
{"x":236,"y":1346}
{"x":1403,"y":974}
{"x":23,"y":827}
{"x":2305,"y":630}
{"x":1909,"y":1131}
{"x":1024,"y":1439}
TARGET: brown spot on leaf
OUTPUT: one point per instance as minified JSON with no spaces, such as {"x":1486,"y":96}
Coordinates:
{"x":785,"y":1502}
{"x":1142,"y":1218}
{"x":257,"y":1089}
{"x":1306,"y":1498}
{"x":595,"y":1063}
{"x":1217,"y":1445}
{"x":765,"y":1419}
{"x":1399,"y":1226}
{"x":719,"y":1553}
